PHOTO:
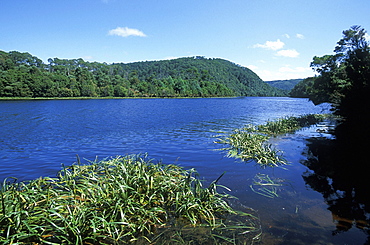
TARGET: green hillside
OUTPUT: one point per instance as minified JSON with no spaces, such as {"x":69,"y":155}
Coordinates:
{"x":24,"y":75}
{"x":241,"y":80}
{"x":286,"y":85}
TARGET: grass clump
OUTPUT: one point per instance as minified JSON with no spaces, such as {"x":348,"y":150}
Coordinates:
{"x":117,"y":201}
{"x":290,"y":124}
{"x":251,"y":146}
{"x":251,"y":142}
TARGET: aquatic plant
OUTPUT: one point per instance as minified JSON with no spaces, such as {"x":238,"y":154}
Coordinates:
{"x":251,"y":142}
{"x":117,"y":201}
{"x":266,"y":186}
{"x":251,"y":146}
{"x":290,"y":124}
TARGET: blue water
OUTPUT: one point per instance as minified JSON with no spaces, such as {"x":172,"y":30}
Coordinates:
{"x":38,"y":136}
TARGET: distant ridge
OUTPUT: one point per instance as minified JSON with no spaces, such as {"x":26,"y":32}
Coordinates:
{"x":242,"y":80}
{"x":284,"y":84}
{"x":24,"y":75}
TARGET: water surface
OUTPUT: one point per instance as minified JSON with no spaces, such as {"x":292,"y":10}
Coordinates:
{"x":38,"y":136}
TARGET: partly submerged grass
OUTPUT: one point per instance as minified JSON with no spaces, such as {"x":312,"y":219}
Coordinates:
{"x":251,"y":142}
{"x":122,"y":200}
{"x":290,"y":124}
{"x":266,"y":186}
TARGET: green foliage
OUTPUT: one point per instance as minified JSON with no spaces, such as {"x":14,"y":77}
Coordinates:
{"x":24,"y":75}
{"x":285,"y":85}
{"x":118,"y":201}
{"x":344,"y":77}
{"x":290,"y":124}
{"x":303,"y":89}
{"x":251,"y":142}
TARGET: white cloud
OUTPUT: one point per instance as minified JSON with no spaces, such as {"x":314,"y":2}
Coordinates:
{"x":300,"y":36}
{"x":272,"y":45}
{"x":170,"y":58}
{"x":87,"y":57}
{"x":367,"y":37}
{"x":125,"y":32}
{"x":288,"y":69}
{"x":284,"y":73}
{"x":286,"y":35}
{"x":292,"y":53}
{"x":252,"y":67}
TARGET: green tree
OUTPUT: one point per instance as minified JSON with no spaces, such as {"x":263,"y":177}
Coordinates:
{"x":303,"y":88}
{"x":23,"y":73}
{"x":25,"y":59}
{"x":344,"y":77}
{"x":354,"y":51}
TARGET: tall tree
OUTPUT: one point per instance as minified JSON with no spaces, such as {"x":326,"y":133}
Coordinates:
{"x":344,"y":76}
{"x":354,"y":52}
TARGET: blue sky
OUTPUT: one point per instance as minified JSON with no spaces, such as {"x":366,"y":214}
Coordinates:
{"x":277,"y":39}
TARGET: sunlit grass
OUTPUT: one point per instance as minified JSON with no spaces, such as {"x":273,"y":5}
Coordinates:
{"x":290,"y":124}
{"x":251,"y":142}
{"x":122,"y":200}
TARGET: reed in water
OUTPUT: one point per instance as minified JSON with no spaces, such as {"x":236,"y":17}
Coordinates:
{"x":123,"y":200}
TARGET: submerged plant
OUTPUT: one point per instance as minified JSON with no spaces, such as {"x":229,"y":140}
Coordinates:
{"x":117,"y":201}
{"x":266,"y":186}
{"x":251,"y":142}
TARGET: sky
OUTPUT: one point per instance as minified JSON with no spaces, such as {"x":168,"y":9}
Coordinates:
{"x":276,"y":39}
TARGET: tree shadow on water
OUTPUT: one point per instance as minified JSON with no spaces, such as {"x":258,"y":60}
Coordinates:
{"x":340,"y":172}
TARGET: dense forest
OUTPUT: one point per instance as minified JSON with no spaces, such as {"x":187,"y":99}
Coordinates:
{"x":285,"y":85}
{"x":24,"y":75}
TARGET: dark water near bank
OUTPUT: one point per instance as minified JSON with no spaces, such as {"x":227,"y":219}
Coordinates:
{"x":36,"y":137}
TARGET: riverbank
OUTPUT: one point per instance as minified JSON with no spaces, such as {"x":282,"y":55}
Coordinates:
{"x":101,"y":98}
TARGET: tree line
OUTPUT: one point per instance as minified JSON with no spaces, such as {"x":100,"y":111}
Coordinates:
{"x":344,"y":77}
{"x":343,"y":81}
{"x":340,"y":165}
{"x":25,"y":75}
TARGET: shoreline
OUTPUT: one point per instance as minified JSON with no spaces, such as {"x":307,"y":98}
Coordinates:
{"x":107,"y":98}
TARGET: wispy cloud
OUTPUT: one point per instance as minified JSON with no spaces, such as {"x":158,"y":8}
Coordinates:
{"x":292,"y":53}
{"x":294,"y":70}
{"x":272,"y":45}
{"x":170,"y":58}
{"x":367,"y":37}
{"x":300,"y":36}
{"x":126,"y":32}
{"x":252,"y":67}
{"x":87,"y":57}
{"x":285,"y":72}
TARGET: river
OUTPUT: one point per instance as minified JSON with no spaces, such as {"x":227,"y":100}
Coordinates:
{"x":38,"y":136}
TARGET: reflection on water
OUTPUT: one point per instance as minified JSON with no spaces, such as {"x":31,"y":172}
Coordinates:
{"x":324,"y":198}
{"x":339,"y":171}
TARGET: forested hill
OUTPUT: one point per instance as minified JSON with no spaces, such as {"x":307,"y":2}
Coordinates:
{"x":24,"y":75}
{"x":286,"y":85}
